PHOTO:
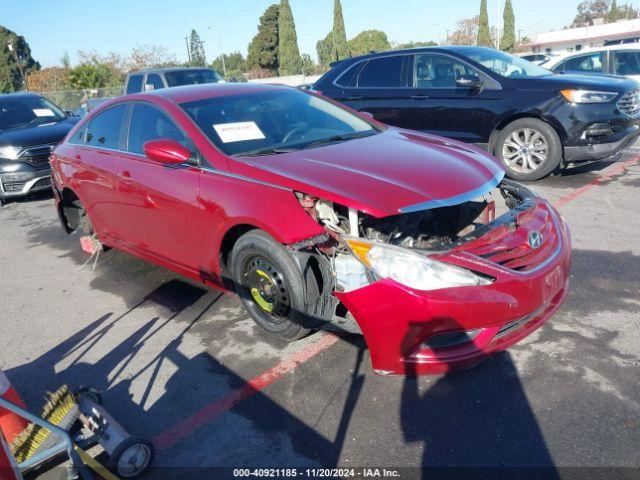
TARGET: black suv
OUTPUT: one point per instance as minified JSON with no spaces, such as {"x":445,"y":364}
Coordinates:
{"x":530,"y":118}
{"x":30,"y":128}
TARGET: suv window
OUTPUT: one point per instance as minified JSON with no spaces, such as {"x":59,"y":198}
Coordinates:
{"x":627,"y":63}
{"x":383,"y":72}
{"x":148,"y":123}
{"x":437,"y":71}
{"x":104,"y":130}
{"x":154,"y":82}
{"x":582,"y":63}
{"x":134,"y":85}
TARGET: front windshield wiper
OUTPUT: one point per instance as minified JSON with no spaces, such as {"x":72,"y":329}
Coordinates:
{"x":339,"y":138}
{"x":268,"y":151}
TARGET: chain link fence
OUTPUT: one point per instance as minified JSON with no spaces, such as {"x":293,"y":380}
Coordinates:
{"x":74,"y":99}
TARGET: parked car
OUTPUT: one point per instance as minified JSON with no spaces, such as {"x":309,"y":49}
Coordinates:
{"x":623,"y":60}
{"x":528,"y":117}
{"x":158,"y":78}
{"x":538,"y":58}
{"x":30,"y":127}
{"x":315,"y":214}
{"x":89,"y":105}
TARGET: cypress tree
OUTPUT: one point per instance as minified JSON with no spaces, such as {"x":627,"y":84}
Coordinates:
{"x":614,"y":13}
{"x":508,"y":40}
{"x":340,"y":48}
{"x":484,"y":33}
{"x":263,"y":49}
{"x":196,"y":47}
{"x":288,"y":52}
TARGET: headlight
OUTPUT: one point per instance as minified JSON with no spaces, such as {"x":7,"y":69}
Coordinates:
{"x":411,"y":269}
{"x":9,"y":152}
{"x":588,"y":96}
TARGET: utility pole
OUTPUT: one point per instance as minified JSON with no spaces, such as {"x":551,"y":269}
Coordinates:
{"x":224,"y":66}
{"x":15,"y":55}
{"x":186,"y":40}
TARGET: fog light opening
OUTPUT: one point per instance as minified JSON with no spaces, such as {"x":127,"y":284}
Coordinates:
{"x":450,"y":339}
{"x":598,"y":130}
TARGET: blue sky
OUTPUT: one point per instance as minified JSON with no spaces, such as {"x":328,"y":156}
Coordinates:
{"x":54,"y":26}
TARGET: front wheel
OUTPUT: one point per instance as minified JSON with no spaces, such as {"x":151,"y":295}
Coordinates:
{"x":270,"y":285}
{"x":530,"y":149}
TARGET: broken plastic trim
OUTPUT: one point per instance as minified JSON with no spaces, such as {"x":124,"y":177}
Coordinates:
{"x":458,"y":199}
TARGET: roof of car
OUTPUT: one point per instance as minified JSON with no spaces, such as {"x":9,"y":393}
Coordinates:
{"x":447,"y":48}
{"x":168,"y":69}
{"x":190,"y":93}
{"x":562,"y":56}
{"x":19,"y":94}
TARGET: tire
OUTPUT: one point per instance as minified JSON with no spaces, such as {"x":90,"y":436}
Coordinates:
{"x":530,"y":148}
{"x":132,"y":458}
{"x":270,"y":285}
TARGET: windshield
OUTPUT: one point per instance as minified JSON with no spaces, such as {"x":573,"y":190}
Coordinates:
{"x":507,"y":65}
{"x":272,"y":122}
{"x":21,"y":111}
{"x":191,"y":77}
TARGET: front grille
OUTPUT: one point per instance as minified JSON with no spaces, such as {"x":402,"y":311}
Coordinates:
{"x":511,"y":247}
{"x":38,"y":155}
{"x":43,"y":182}
{"x":629,"y":104}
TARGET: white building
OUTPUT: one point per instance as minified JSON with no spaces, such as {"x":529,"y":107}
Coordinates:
{"x":576,"y":39}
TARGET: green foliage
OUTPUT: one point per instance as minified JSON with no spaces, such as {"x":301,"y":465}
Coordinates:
{"x":308,"y":65}
{"x":621,"y":13}
{"x":589,"y":10}
{"x":234,"y":62}
{"x":196,"y":47}
{"x":413,"y":44}
{"x":339,"y":48}
{"x":288,"y":53}
{"x":484,"y":32}
{"x":263,"y":49}
{"x":10,"y":76}
{"x":94,"y":74}
{"x":369,"y":41}
{"x":508,"y":40}
{"x":324,"y":48}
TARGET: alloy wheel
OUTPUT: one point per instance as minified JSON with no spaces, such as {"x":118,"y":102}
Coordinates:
{"x":525,"y":150}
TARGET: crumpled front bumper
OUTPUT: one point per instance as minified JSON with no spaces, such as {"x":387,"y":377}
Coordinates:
{"x":400,"y":324}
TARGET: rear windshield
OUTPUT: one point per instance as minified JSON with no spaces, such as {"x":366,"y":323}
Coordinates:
{"x":23,"y":111}
{"x":272,"y":122}
{"x":191,"y":77}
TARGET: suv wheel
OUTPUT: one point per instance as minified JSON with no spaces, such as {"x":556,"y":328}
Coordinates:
{"x":270,"y":285}
{"x":530,"y":148}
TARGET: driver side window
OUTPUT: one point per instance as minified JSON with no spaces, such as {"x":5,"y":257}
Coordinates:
{"x":591,"y":63}
{"x":437,"y":71}
{"x":148,"y":123}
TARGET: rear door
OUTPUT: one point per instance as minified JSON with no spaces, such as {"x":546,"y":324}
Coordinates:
{"x":379,"y":86}
{"x":160,"y":212}
{"x":440,"y":106}
{"x":626,"y":63}
{"x":96,"y":154}
{"x":586,"y":63}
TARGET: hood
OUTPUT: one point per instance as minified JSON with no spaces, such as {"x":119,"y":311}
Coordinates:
{"x":385,"y":174}
{"x":37,"y":135}
{"x":590,"y":81}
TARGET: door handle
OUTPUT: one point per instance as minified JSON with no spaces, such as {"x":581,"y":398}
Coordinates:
{"x":419,"y":97}
{"x":354,"y":98}
{"x":125,"y":175}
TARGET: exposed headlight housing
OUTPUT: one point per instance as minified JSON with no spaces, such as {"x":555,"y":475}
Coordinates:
{"x":588,"y":96}
{"x":9,"y":152}
{"x":412,"y":269}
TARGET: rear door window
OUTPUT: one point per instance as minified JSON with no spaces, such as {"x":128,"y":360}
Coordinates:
{"x":105,"y":129}
{"x":627,"y":63}
{"x":384,"y":72}
{"x":589,"y":63}
{"x":134,"y":85}
{"x":154,"y":82}
{"x":149,"y":123}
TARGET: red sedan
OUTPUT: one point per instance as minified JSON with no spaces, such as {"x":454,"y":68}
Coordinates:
{"x":317,"y":215}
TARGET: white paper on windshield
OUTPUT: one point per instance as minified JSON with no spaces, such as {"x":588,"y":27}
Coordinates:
{"x":43,"y":112}
{"x":238,"y":132}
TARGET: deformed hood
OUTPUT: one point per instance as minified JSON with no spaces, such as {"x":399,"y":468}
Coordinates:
{"x":386,"y":174}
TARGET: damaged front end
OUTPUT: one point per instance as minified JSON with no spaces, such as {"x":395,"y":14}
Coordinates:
{"x":442,"y":286}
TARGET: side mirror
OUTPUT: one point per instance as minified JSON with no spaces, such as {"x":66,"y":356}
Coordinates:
{"x":166,"y":151}
{"x":469,"y":81}
{"x":69,"y":113}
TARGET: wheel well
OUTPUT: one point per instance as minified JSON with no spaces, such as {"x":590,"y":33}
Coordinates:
{"x":229,"y":240}
{"x":507,"y":121}
{"x":69,"y":210}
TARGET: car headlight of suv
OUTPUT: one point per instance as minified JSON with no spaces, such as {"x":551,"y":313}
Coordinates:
{"x":9,"y":152}
{"x":588,"y":96}
{"x":412,"y":269}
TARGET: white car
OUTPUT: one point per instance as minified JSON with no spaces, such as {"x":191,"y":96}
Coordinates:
{"x":538,"y":58}
{"x":623,"y":60}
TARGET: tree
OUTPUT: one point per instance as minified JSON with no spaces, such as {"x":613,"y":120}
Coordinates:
{"x":149,"y":56}
{"x":263,"y":49}
{"x":614,"y":12}
{"x":308,"y":65}
{"x":508,"y":40}
{"x":196,"y":47}
{"x":413,"y":44}
{"x":50,"y":79}
{"x":235,"y":63}
{"x":340,"y":47}
{"x":484,"y":32}
{"x":324,"y":48}
{"x":288,"y":52}
{"x":369,"y":41}
{"x":589,"y":10}
{"x":97,"y":71}
{"x":466,"y":32}
{"x":10,"y":76}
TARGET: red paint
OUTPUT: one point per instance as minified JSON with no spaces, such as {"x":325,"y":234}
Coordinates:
{"x":11,"y":424}
{"x":166,"y":151}
{"x":209,"y":413}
